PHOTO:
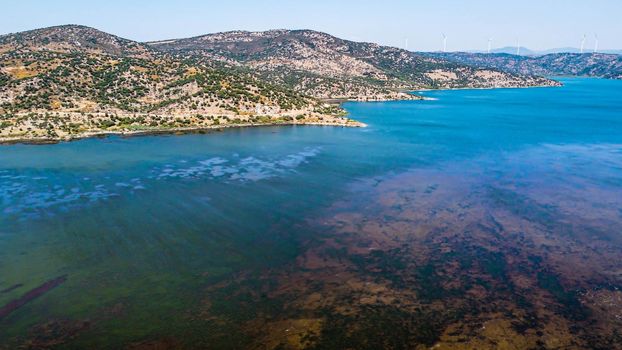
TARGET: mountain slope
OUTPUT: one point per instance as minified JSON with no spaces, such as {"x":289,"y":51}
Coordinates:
{"x":66,"y":81}
{"x":72,"y":39}
{"x":324,"y":66}
{"x":575,"y":64}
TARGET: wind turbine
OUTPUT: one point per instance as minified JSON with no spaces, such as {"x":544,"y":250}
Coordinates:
{"x":595,"y":43}
{"x":489,"y":45}
{"x":517,"y":47}
{"x":406,"y":44}
{"x":583,"y":43}
{"x":444,"y":43}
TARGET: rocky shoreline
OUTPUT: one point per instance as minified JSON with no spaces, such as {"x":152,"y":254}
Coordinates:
{"x":188,"y":130}
{"x":559,"y":84}
{"x":333,"y":120}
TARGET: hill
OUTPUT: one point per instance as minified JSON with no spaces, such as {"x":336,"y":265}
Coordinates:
{"x":324,"y":66}
{"x":512,"y":50}
{"x":71,"y":81}
{"x":72,"y":39}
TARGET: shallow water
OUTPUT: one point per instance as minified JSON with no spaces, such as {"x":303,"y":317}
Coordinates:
{"x":499,"y":209}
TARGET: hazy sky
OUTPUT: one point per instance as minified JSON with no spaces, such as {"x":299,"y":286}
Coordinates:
{"x":538,"y":24}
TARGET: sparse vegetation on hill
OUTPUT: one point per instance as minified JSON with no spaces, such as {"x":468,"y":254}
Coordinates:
{"x":324,"y":66}
{"x":68,"y":81}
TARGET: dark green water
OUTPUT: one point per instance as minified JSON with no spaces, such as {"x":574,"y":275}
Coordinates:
{"x":145,"y":225}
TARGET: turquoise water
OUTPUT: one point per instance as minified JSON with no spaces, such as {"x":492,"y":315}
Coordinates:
{"x":146,"y":225}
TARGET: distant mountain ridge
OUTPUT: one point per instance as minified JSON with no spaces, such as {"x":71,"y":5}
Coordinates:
{"x":571,"y":64}
{"x":524,"y":51}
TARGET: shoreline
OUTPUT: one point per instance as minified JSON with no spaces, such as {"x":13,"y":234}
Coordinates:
{"x":172,"y":131}
{"x":341,"y":101}
{"x":216,"y":128}
{"x":493,"y":88}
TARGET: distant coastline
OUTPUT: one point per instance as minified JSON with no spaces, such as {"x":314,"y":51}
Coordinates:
{"x":493,"y":88}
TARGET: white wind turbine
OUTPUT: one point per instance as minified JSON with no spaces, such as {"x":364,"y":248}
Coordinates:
{"x":583,"y":43}
{"x":517,"y":47}
{"x":406,"y":44}
{"x":489,"y":45}
{"x":595,"y":43}
{"x":444,"y":43}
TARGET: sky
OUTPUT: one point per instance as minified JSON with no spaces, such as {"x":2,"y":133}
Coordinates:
{"x":468,"y":24}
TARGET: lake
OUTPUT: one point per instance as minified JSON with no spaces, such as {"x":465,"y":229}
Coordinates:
{"x":473,"y":219}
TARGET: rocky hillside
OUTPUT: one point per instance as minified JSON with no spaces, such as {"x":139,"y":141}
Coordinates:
{"x":324,"y":66}
{"x":67,"y":81}
{"x":574,"y":64}
{"x":72,"y":39}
